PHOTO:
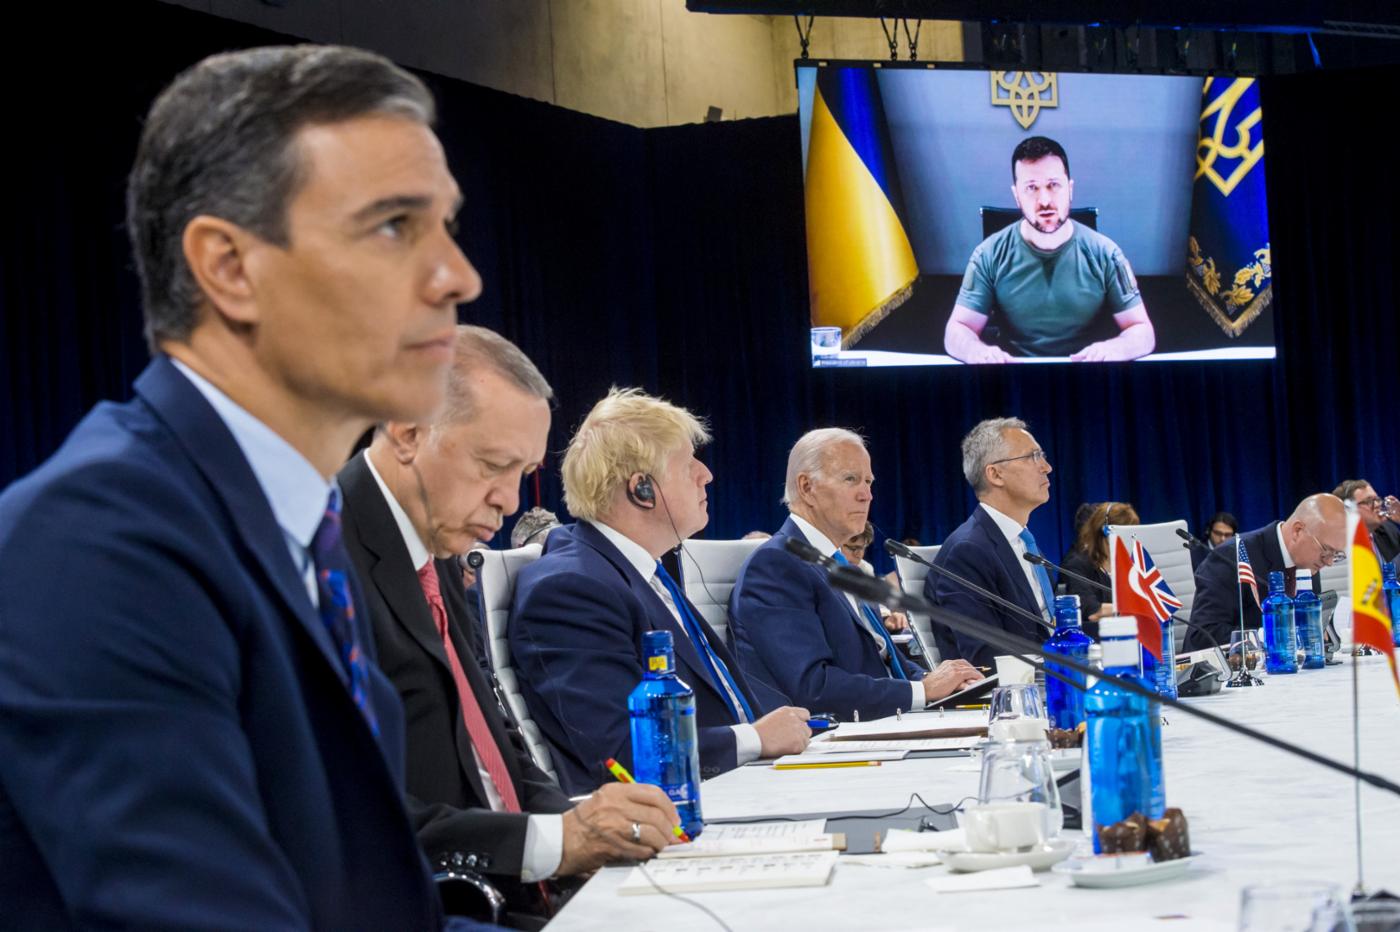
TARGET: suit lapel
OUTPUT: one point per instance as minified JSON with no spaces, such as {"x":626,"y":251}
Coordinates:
{"x":658,"y":615}
{"x":1009,"y":563}
{"x":790,"y":529}
{"x":211,"y":447}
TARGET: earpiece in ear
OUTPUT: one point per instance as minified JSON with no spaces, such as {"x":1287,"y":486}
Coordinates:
{"x":643,"y":494}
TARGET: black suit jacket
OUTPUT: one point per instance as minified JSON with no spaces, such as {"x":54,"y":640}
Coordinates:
{"x":1387,"y":541}
{"x":978,"y":552}
{"x":446,"y":797}
{"x":1218,"y":589}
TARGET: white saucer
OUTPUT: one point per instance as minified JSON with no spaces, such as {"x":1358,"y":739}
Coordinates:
{"x":1037,"y":858}
{"x":1124,"y":877}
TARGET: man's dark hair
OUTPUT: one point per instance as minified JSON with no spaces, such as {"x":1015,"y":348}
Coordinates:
{"x":1035,"y":148}
{"x":1221,"y":517}
{"x":1348,"y":488}
{"x":219,"y":141}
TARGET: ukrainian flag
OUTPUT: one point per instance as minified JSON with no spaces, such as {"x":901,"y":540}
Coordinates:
{"x":860,"y":265}
{"x":1229,"y":268}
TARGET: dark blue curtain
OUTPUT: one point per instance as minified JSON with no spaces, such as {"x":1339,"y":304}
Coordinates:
{"x":673,"y":259}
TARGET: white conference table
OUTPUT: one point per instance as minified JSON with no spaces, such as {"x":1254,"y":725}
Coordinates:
{"x":1256,"y":815}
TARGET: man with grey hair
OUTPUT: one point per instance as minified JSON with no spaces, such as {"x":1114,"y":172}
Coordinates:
{"x":1010,"y":476}
{"x":423,"y":493}
{"x":211,"y":742}
{"x":1312,"y":537}
{"x":825,"y":650}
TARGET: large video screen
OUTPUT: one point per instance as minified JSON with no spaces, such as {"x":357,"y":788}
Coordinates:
{"x":962,"y":216}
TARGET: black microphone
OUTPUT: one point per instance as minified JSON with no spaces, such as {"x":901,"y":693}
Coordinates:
{"x":1191,"y":542}
{"x":896,"y":549}
{"x":1038,"y":560}
{"x":1018,"y":647}
{"x":809,"y":554}
{"x":1041,"y":561}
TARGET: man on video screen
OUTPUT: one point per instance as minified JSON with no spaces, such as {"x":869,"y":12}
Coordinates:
{"x":1049,"y":286}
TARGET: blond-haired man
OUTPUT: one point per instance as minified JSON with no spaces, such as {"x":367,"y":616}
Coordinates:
{"x":632,"y":480}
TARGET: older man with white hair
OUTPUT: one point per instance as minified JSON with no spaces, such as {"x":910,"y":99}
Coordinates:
{"x":824,"y":649}
{"x":1010,"y":476}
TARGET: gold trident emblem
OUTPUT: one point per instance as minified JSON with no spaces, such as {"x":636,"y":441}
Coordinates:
{"x":1025,"y":92}
{"x":1238,"y":156}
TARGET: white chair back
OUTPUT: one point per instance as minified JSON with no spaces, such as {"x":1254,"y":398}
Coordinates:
{"x":710,"y":568}
{"x":911,"y":579}
{"x":1172,"y":558}
{"x":496,"y":579}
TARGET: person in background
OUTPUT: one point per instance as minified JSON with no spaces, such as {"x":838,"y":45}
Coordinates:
{"x":1379,"y":515}
{"x":1090,"y":557}
{"x":533,"y":527}
{"x":1221,"y":527}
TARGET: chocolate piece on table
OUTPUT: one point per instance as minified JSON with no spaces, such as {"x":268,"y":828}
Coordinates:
{"x":1168,"y":838}
{"x":1128,"y":835}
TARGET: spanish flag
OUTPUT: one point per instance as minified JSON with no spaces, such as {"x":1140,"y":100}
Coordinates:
{"x":860,"y":265}
{"x":1370,"y":619}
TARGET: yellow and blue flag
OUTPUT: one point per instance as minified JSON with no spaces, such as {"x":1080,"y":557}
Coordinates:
{"x":1229,"y":268}
{"x":860,"y":264}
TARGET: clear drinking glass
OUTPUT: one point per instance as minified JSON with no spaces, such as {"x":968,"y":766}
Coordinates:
{"x":1021,"y":700}
{"x":1292,"y":906}
{"x":1021,"y":772}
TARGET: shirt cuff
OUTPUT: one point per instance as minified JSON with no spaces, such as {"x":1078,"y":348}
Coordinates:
{"x":747,"y":744}
{"x":544,"y":847}
{"x":919,"y":700}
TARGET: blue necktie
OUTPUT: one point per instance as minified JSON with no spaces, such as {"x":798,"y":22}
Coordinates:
{"x":1041,"y":575}
{"x":877,"y":626}
{"x":718,"y":671}
{"x":331,"y":563}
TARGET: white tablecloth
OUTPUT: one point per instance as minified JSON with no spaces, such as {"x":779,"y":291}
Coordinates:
{"x":1256,"y":815}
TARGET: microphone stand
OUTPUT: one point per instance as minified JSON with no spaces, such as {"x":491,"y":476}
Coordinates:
{"x":870,"y":589}
{"x":1037,"y":558}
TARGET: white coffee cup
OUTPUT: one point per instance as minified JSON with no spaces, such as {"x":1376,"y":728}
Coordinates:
{"x":999,"y":827}
{"x":1013,"y":670}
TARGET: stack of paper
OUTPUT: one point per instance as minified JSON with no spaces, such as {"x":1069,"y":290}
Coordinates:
{"x":741,"y":872}
{"x":760,"y":838}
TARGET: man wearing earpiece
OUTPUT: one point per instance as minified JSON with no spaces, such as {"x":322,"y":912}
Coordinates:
{"x":632,"y":479}
{"x":421,"y":494}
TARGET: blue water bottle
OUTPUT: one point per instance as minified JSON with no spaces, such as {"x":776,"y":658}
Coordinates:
{"x":1280,"y":635}
{"x":1307,"y":618}
{"x":1065,"y":703}
{"x":665,"y":752}
{"x":1392,"y":597}
{"x":1124,"y":736}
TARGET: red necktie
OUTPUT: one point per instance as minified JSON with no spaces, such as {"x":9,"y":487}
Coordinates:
{"x":477,"y":729}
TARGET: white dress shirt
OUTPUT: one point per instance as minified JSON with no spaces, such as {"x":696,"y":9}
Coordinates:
{"x":823,"y":543}
{"x":747,"y":744}
{"x":1012,"y":529}
{"x":297,"y":493}
{"x":544,"y":833}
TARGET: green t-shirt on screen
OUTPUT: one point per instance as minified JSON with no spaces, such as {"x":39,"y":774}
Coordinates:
{"x":1048,"y":303}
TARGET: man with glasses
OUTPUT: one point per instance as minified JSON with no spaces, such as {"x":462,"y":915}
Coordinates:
{"x":1010,"y":475}
{"x":1312,"y":537}
{"x":1378,"y":514}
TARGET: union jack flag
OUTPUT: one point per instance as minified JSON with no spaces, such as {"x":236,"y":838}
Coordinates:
{"x":1148,"y":582}
{"x":1246,"y":572}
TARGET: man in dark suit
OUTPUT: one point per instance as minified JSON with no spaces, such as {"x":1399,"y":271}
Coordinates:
{"x":825,"y":650}
{"x":1010,"y":476}
{"x":1312,"y":537}
{"x":1385,"y":533}
{"x":632,"y":479}
{"x":196,"y":736}
{"x":421,"y":494}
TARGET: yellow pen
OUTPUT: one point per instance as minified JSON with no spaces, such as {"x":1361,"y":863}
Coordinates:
{"x":620,"y":772}
{"x":840,"y":763}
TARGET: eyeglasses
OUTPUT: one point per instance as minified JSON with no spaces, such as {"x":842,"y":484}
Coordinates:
{"x":1035,"y":456}
{"x":1373,"y":502}
{"x":1330,"y":557}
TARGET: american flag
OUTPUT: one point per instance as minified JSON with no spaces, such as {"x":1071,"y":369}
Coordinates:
{"x":1246,"y":572}
{"x":1148,"y":582}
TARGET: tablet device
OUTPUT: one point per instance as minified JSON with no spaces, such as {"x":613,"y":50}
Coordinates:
{"x":974,"y":692}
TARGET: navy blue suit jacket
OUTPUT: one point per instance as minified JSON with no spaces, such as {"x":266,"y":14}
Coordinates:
{"x":979,"y":552}
{"x":178,"y":746}
{"x":576,"y":627}
{"x":1218,"y":589}
{"x":792,"y":630}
